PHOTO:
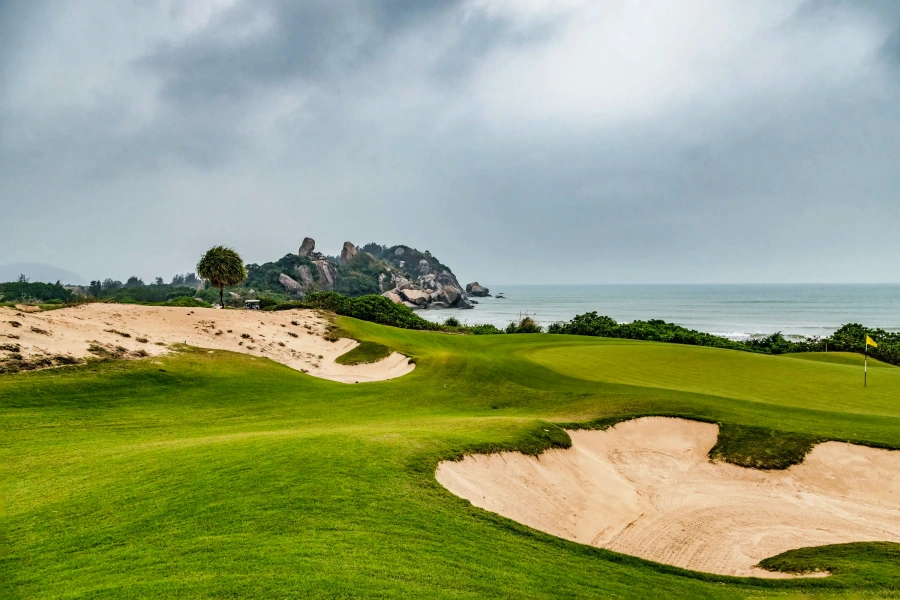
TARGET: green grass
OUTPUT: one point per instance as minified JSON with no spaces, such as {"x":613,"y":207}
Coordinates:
{"x":365,"y":352}
{"x":212,"y":474}
{"x":841,"y":358}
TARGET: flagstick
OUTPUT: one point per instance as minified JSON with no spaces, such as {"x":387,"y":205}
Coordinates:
{"x":866,"y":367}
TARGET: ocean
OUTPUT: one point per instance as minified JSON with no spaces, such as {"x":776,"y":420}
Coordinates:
{"x":732,"y":311}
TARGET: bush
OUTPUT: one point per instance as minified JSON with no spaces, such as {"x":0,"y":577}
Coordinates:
{"x":330,"y":301}
{"x":186,"y":302}
{"x":483,"y":330}
{"x":267,"y":303}
{"x":524,"y":325}
{"x":373,"y":308}
{"x":379,"y":309}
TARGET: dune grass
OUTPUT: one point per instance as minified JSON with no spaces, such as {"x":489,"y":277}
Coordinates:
{"x":213,"y":474}
{"x":365,"y":352}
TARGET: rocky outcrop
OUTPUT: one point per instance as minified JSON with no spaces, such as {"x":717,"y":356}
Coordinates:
{"x":328,"y":273}
{"x":306,"y":276}
{"x":291,"y":286}
{"x":476,"y":289}
{"x":307,"y":247}
{"x":418,"y":297}
{"x":347,"y":253}
{"x":402,"y":274}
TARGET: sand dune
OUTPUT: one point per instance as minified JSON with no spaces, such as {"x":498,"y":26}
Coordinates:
{"x":294,"y":338}
{"x":647,"y":488}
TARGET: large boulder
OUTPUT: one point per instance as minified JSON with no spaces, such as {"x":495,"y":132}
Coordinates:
{"x":417,"y":297}
{"x":348,"y":252}
{"x":290,"y":285}
{"x":436,"y":305}
{"x":393,"y":296}
{"x":306,"y":276}
{"x":464,"y":303}
{"x":328,"y":274}
{"x":477,"y":289}
{"x":411,"y":306}
{"x":306,"y":247}
{"x":401,"y":283}
{"x":450,"y":295}
{"x":447,"y":279}
{"x":423,"y":267}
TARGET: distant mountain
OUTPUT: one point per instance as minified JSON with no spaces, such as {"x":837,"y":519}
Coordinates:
{"x":39,"y":272}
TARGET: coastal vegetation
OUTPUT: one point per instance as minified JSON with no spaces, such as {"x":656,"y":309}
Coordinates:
{"x":218,"y":474}
{"x":849,"y":338}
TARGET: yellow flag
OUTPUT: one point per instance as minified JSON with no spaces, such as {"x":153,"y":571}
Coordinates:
{"x":871,"y":342}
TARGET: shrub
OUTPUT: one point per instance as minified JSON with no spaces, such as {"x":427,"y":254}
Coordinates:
{"x":267,"y":303}
{"x":330,"y":301}
{"x":187,"y":302}
{"x":484,"y":330}
{"x":524,"y":325}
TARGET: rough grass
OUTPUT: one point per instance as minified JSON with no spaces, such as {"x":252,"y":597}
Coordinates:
{"x":760,"y":447}
{"x":224,"y":475}
{"x":365,"y":352}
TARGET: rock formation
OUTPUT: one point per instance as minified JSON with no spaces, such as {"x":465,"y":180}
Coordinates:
{"x":403,"y":275}
{"x":290,"y":285}
{"x":307,"y":247}
{"x":418,"y":297}
{"x":476,"y":289}
{"x":306,"y":276}
{"x":328,"y":273}
{"x":347,"y":253}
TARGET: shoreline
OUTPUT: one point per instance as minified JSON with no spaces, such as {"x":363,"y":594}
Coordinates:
{"x":732,"y":311}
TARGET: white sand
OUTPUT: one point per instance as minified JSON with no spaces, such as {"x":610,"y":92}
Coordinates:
{"x":647,"y":488}
{"x":70,"y":331}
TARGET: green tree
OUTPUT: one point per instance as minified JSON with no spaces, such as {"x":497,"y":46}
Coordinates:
{"x":222,"y":266}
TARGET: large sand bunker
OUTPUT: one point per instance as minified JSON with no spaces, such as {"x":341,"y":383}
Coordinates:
{"x":294,"y":337}
{"x":647,"y":488}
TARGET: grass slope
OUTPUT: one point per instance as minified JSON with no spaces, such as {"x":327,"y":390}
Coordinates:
{"x":211,"y":474}
{"x":365,"y":352}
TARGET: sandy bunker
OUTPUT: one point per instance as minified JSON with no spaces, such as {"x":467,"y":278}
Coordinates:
{"x":647,"y":488}
{"x":294,"y":337}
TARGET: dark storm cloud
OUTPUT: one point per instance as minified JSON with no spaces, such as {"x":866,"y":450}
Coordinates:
{"x":518,"y":141}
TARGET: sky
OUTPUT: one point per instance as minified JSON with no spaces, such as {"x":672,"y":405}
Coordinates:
{"x":520,"y":141}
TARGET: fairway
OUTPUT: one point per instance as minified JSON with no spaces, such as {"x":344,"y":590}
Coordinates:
{"x":215,"y":474}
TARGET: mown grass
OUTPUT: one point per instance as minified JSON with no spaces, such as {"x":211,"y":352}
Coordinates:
{"x":365,"y":352}
{"x":222,"y":475}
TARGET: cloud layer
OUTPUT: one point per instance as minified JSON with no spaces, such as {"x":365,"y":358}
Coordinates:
{"x":521,"y":142}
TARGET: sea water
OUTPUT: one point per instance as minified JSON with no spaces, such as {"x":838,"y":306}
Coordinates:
{"x":733,"y":311}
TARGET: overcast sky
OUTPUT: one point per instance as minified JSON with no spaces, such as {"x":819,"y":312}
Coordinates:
{"x":520,"y":141}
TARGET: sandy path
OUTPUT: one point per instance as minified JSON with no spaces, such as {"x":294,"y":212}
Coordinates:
{"x":70,"y":332}
{"x":647,"y":488}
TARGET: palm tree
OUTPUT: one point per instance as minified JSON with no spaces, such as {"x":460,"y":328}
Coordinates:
{"x":222,"y":266}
